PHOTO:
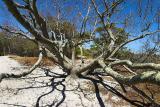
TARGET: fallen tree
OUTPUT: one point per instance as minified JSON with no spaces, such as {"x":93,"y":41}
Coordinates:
{"x":53,"y":48}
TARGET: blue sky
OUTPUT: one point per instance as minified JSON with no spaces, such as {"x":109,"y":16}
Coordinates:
{"x":129,"y":7}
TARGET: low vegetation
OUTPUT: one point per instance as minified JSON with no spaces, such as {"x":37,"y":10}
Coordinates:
{"x":29,"y":61}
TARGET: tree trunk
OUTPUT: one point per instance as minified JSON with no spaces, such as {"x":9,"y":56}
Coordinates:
{"x":4,"y":51}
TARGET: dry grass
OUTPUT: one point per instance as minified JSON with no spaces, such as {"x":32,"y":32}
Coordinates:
{"x":149,"y":89}
{"x":107,"y":95}
{"x":29,"y":61}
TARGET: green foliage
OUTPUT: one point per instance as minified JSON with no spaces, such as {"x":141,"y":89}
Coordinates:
{"x":120,"y":33}
{"x":86,"y":52}
{"x":17,"y":45}
{"x":95,"y":50}
{"x":61,"y":26}
{"x":102,"y":41}
{"x":4,"y":43}
{"x":124,"y":53}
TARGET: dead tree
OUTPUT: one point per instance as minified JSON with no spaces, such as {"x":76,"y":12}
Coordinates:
{"x":36,"y":25}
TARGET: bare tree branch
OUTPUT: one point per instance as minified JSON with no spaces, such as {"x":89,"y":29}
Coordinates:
{"x":13,"y":9}
{"x":41,"y":22}
{"x":136,"y":65}
{"x":131,"y":40}
{"x":149,"y":76}
{"x":17,"y":32}
{"x":5,"y":75}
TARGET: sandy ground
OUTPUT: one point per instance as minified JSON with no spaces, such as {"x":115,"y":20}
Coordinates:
{"x":26,"y":91}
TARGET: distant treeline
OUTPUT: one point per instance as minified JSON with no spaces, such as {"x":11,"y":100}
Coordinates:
{"x":17,"y":45}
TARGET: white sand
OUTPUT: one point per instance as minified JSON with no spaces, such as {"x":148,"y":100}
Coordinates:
{"x":11,"y":97}
{"x":7,"y":65}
